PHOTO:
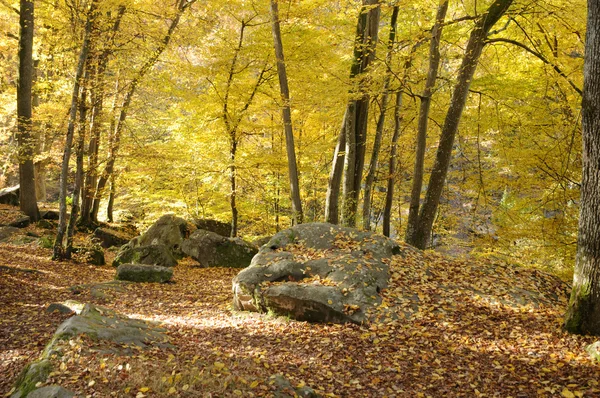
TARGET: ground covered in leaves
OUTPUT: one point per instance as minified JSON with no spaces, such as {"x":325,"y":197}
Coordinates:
{"x":445,"y":328}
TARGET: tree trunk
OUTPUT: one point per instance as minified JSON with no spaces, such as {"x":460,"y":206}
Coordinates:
{"x":59,"y":251}
{"x":473,"y":51}
{"x":583,"y":314}
{"x":75,"y":206}
{"x":332,"y":214}
{"x":389,"y":194}
{"x":111,"y":199}
{"x":287,"y":116}
{"x":434,"y":62}
{"x":233,"y":184}
{"x":97,"y":99}
{"x":370,"y":179}
{"x":146,"y":67}
{"x":355,"y":118}
{"x":26,"y":144}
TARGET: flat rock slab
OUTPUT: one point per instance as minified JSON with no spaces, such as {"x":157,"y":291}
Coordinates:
{"x":98,"y":323}
{"x":144,"y":273}
{"x":317,"y":272}
{"x":213,"y":250}
{"x":151,"y":255}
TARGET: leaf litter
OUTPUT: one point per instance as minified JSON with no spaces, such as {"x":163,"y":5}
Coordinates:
{"x":461,"y":328}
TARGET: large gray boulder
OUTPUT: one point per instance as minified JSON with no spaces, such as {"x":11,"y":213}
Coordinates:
{"x":144,"y":273}
{"x":317,"y":272}
{"x":111,"y":237}
{"x":151,"y":255}
{"x":169,"y":230}
{"x":213,"y":250}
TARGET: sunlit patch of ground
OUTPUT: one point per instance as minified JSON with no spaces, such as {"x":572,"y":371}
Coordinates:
{"x":457,"y":337}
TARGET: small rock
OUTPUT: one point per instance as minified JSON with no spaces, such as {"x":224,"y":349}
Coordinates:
{"x":152,"y":255}
{"x":21,"y":222}
{"x":63,"y":309}
{"x":43,"y":223}
{"x":10,"y":196}
{"x":49,"y":215}
{"x":144,"y":273}
{"x":7,"y":232}
{"x":110,"y":237}
{"x":51,"y":392}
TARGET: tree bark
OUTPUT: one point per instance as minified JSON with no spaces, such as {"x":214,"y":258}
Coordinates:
{"x":59,"y":250}
{"x":583,"y":314}
{"x":389,"y":193}
{"x":358,"y":109}
{"x":373,"y":164}
{"x":473,"y":51}
{"x":287,"y":116}
{"x":332,"y":198}
{"x":25,"y":140}
{"x":434,"y":62}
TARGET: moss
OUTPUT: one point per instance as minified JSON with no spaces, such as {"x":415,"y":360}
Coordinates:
{"x":34,"y":373}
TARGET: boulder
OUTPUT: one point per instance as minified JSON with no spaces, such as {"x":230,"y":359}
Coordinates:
{"x":216,"y":226}
{"x":152,"y":255}
{"x":169,"y":230}
{"x":213,"y":250}
{"x":144,"y":273}
{"x":10,"y":196}
{"x":317,"y":272}
{"x":7,"y":232}
{"x":93,"y":254}
{"x":110,"y":237}
{"x":98,"y":323}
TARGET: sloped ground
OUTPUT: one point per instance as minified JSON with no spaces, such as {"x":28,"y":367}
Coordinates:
{"x":446,"y":328}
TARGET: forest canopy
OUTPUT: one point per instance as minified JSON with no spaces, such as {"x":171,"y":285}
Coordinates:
{"x":206,"y":106}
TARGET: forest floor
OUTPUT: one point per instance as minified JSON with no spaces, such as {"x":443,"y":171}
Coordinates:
{"x":457,"y":342}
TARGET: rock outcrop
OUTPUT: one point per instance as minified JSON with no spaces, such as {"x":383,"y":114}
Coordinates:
{"x":216,"y":226}
{"x":317,"y":272}
{"x":168,"y":230}
{"x":151,"y":255}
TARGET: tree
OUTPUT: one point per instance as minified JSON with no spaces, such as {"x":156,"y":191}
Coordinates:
{"x":353,"y":134}
{"x":475,"y":45}
{"x":61,"y":252}
{"x":583,"y":314}
{"x":434,"y":62}
{"x":28,"y":200}
{"x":287,"y":115}
{"x":373,"y":164}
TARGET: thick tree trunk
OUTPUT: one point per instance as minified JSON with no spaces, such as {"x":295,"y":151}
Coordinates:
{"x":434,"y":62}
{"x":473,"y":51}
{"x":583,"y":314}
{"x":373,"y":164}
{"x":59,"y":250}
{"x":287,"y":116}
{"x":389,"y":194}
{"x":25,"y":140}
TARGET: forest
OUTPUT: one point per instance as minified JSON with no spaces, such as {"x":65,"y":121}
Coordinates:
{"x":310,"y":198}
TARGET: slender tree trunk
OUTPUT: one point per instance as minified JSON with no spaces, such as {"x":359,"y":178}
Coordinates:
{"x":332,"y":198}
{"x":75,"y":206}
{"x":97,"y":99}
{"x":111,"y":198}
{"x":583,"y":314}
{"x":389,"y":194}
{"x":26,"y":145}
{"x":434,"y":62}
{"x":59,"y":250}
{"x":233,"y":184}
{"x":473,"y":51}
{"x":370,"y":179}
{"x":146,"y":67}
{"x":287,"y":116}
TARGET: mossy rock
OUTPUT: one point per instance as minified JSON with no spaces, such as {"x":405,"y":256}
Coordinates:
{"x":34,"y":373}
{"x":151,"y":255}
{"x":144,"y":273}
{"x":213,"y":250}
